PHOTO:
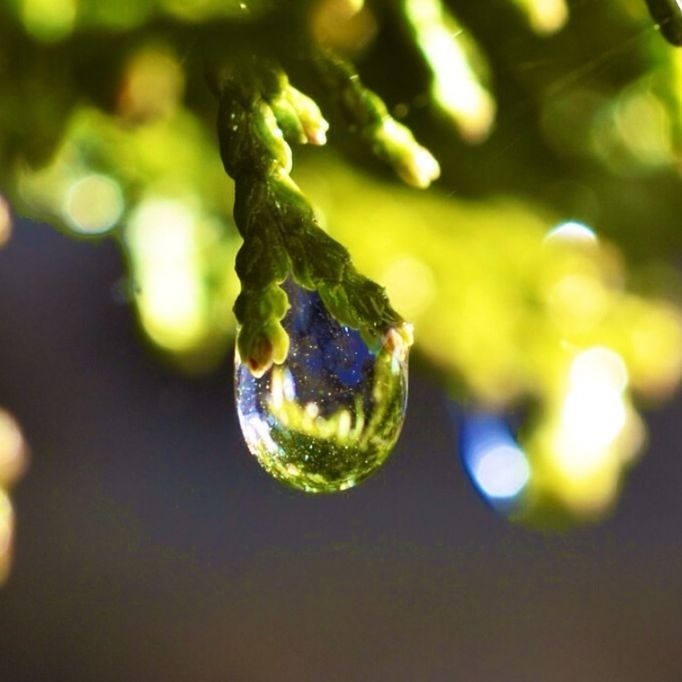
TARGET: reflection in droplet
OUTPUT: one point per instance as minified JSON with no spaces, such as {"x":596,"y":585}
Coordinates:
{"x":329,"y":416}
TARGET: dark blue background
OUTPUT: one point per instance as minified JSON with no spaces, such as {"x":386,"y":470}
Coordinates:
{"x":152,"y":547}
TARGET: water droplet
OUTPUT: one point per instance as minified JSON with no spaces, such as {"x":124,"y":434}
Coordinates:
{"x":328,"y":417}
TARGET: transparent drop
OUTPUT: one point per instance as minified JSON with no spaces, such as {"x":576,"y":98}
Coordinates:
{"x":328,"y":416}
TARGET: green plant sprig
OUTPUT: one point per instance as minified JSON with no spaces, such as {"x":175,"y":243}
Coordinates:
{"x":258,"y":113}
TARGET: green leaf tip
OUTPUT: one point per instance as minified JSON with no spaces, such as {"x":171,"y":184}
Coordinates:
{"x":366,"y":114}
{"x":262,"y":340}
{"x":298,"y":116}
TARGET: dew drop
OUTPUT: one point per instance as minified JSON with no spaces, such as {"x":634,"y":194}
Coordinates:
{"x":328,"y":416}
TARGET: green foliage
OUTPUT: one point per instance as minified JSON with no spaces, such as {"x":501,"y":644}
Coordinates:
{"x":368,"y":117}
{"x":538,"y":112}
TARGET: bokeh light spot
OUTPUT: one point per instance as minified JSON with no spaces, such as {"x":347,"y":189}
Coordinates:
{"x":592,"y":417}
{"x":501,"y":471}
{"x":411,"y":285}
{"x":571,"y":231}
{"x":497,"y":465}
{"x":49,"y":20}
{"x":599,"y":368}
{"x":161,"y":237}
{"x":93,"y":204}
{"x":12,"y":450}
{"x":5,"y":221}
{"x":545,"y":16}
{"x":6,"y":534}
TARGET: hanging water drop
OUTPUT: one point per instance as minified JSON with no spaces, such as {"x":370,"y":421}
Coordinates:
{"x":328,"y":416}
